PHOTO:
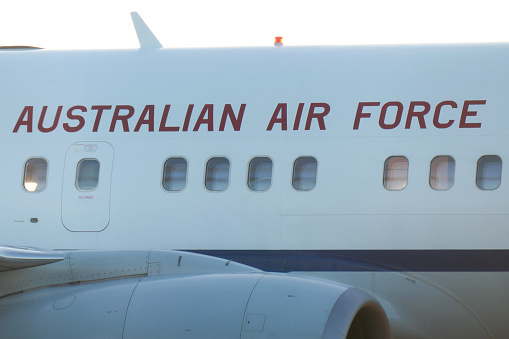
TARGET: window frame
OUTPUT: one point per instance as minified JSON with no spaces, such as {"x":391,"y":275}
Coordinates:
{"x":163,"y":173}
{"x":385,"y":177}
{"x":315,"y":176}
{"x":431,"y":171}
{"x":77,"y":171}
{"x":477,"y":172}
{"x":25,"y":175}
{"x":248,"y":176}
{"x":206,"y":172}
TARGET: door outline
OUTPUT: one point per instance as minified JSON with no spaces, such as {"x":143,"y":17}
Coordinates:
{"x":87,"y":211}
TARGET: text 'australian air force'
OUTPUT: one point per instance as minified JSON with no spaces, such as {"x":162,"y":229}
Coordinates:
{"x":306,"y":116}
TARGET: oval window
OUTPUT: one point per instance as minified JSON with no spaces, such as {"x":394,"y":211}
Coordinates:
{"x":217,"y":174}
{"x":175,"y":173}
{"x":87,"y":176}
{"x":304,"y":173}
{"x":35,"y":174}
{"x":441,"y":175}
{"x":489,"y":172}
{"x":260,"y":174}
{"x":395,"y":173}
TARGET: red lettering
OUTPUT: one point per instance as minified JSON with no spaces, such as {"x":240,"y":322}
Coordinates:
{"x":360,"y":114}
{"x":281,"y":107}
{"x":188,"y":118}
{"x":27,"y":112}
{"x":466,"y":113}
{"x":207,"y":110}
{"x":397,"y":119}
{"x":318,"y":116}
{"x":438,"y":110}
{"x":236,"y":121}
{"x":81,"y":120}
{"x":55,"y":121}
{"x":419,"y":115}
{"x":98,"y":116}
{"x":149,"y":109}
{"x":296,"y":123}
{"x":162,"y":125}
{"x":122,"y":118}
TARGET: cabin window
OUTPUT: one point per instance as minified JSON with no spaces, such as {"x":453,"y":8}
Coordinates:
{"x":441,"y":176}
{"x":395,"y":173}
{"x":87,"y":176}
{"x":489,"y":172}
{"x":217,"y":174}
{"x":175,"y":174}
{"x":304,"y":173}
{"x":260,"y":174}
{"x":35,"y":174}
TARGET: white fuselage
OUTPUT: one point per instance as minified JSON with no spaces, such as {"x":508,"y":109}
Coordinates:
{"x":340,"y":93}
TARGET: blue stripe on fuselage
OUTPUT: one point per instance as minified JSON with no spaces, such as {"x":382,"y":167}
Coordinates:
{"x":369,"y":260}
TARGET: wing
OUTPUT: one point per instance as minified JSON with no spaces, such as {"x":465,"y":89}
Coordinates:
{"x":13,"y":258}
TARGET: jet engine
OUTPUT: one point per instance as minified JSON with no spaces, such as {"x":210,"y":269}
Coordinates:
{"x":240,"y":302}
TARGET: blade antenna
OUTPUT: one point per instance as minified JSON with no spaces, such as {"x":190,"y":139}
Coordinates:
{"x":146,"y":38}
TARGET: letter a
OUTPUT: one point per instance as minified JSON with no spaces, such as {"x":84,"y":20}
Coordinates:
{"x":28,"y":111}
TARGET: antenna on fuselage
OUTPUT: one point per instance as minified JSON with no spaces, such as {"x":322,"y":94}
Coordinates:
{"x":146,"y":38}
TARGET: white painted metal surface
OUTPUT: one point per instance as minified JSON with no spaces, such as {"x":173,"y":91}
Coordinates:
{"x":179,"y":99}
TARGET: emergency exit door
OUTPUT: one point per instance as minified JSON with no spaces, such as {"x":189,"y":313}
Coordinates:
{"x":86,"y":186}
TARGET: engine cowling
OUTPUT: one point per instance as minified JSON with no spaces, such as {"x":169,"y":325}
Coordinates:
{"x":245,"y":305}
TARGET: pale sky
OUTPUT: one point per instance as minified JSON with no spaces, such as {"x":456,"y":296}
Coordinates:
{"x":101,"y":24}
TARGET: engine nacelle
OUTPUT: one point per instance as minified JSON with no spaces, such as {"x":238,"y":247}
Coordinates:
{"x":245,"y":305}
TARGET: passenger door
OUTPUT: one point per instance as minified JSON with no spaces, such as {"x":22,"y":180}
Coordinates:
{"x":86,"y":186}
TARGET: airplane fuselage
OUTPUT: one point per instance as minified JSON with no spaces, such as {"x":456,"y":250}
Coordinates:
{"x":344,"y":110}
